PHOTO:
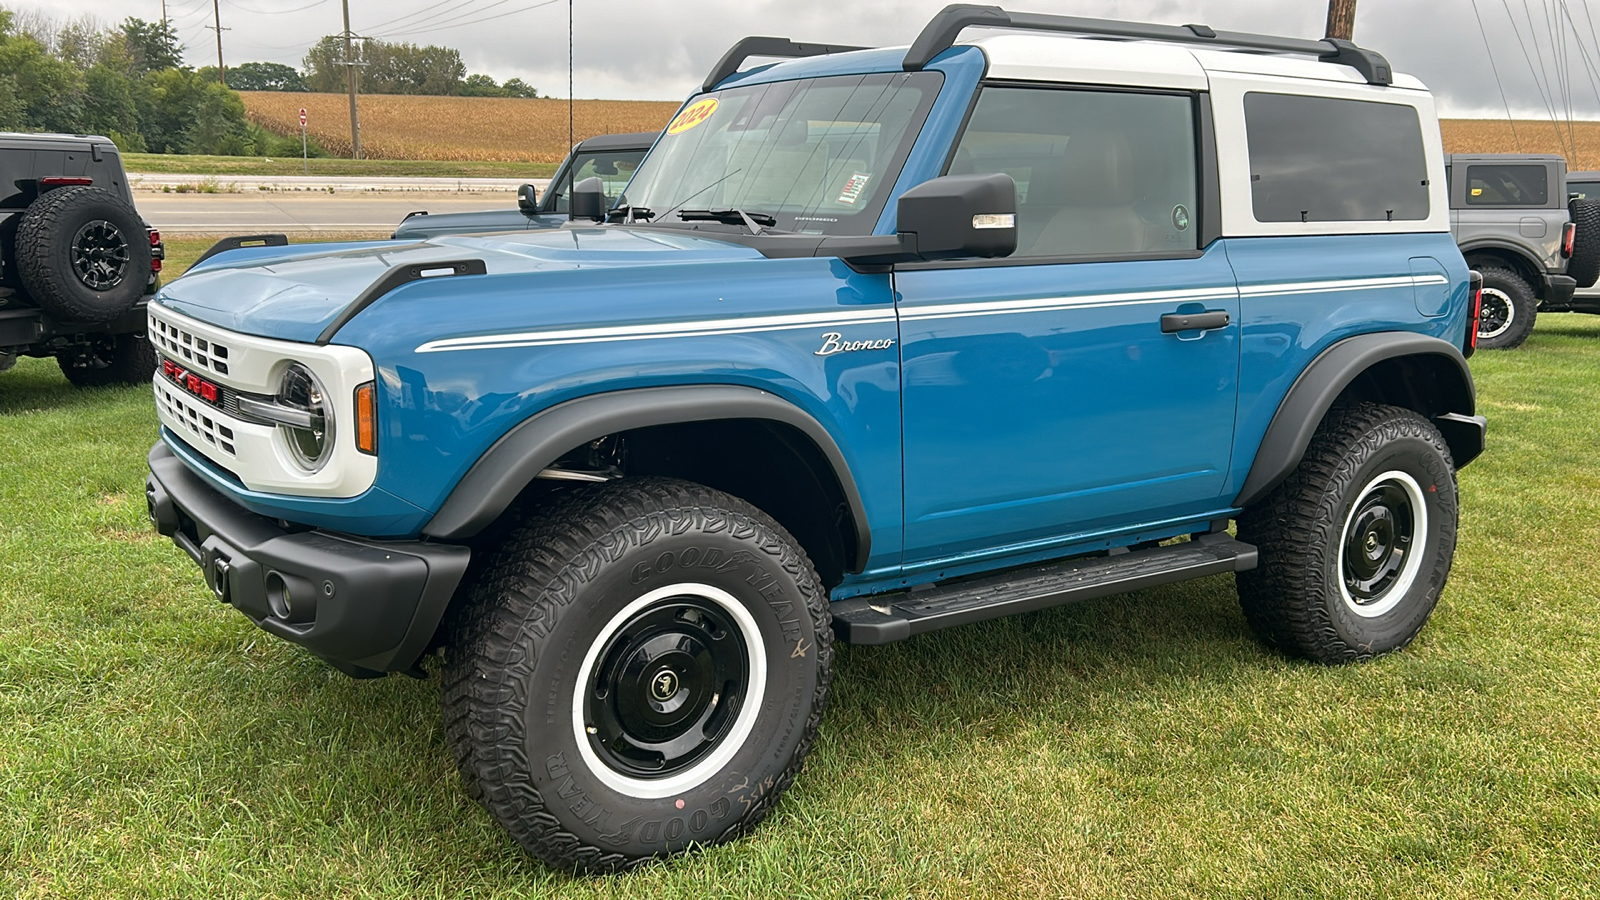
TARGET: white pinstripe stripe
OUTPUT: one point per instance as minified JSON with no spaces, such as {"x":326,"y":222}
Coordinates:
{"x":661,"y":330}
{"x":836,"y":318}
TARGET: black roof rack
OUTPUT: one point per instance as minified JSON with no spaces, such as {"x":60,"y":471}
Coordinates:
{"x":941,"y":33}
{"x":768,"y":46}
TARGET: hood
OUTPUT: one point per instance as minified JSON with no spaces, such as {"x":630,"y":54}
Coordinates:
{"x":294,"y":293}
{"x":425,"y":226}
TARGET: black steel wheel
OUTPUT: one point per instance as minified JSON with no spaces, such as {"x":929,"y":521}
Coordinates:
{"x":100,"y":255}
{"x":1376,"y":560}
{"x":669,"y":683}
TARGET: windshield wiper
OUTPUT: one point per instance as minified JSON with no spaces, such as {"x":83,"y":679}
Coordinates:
{"x":630,"y":214}
{"x":752,"y":221}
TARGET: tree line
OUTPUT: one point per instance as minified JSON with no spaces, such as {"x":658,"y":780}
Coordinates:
{"x":386,"y":68}
{"x":126,"y":82}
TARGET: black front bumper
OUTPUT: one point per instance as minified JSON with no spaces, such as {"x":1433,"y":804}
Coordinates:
{"x":367,"y":607}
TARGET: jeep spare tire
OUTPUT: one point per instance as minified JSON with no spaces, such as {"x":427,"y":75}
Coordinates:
{"x":83,"y":254}
{"x":1584,"y":266}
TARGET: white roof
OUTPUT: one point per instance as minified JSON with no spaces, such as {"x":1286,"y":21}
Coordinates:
{"x":1082,"y":60}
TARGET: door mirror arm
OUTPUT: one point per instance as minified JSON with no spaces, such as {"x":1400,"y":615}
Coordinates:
{"x":951,"y":217}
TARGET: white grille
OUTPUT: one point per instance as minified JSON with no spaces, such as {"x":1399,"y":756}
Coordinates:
{"x":189,"y":347}
{"x":256,"y":453}
{"x":195,"y":418}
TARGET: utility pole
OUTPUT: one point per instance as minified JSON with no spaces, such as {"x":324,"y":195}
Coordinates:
{"x":569,"y":76}
{"x":216,"y":11}
{"x":350,"y":81}
{"x":1341,"y":19}
{"x":163,"y":12}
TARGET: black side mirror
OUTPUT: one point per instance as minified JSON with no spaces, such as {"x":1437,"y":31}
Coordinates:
{"x":589,"y":200}
{"x":946,"y":218}
{"x":528,"y":199}
{"x":959,"y":216}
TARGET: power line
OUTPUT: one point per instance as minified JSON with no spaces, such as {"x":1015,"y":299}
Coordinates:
{"x":1495,"y":69}
{"x":453,"y":21}
{"x":412,"y":15}
{"x":1528,"y":58}
{"x":275,"y":12}
{"x":473,"y":22}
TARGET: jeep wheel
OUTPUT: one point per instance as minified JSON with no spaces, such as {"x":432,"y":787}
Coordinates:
{"x":641,"y":669}
{"x":1356,"y":545}
{"x":1584,"y":266}
{"x":1508,"y":309}
{"x":83,"y":254}
{"x":116,"y":359}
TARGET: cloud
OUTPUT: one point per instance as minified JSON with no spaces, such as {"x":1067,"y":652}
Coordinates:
{"x":661,"y":49}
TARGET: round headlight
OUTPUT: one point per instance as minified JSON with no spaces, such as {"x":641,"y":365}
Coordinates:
{"x":311,"y":444}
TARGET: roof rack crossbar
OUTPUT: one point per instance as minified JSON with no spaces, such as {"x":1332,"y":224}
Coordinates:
{"x":766,"y":46}
{"x":941,"y":33}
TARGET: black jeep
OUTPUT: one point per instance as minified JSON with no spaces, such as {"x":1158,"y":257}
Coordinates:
{"x":76,"y":261}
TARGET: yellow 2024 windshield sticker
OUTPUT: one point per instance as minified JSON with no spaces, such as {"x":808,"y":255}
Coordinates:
{"x":695,"y":114}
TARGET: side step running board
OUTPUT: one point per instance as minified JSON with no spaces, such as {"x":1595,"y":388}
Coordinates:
{"x":894,"y":617}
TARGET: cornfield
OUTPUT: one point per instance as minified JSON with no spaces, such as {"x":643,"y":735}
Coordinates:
{"x":493,"y":129}
{"x":511,"y":130}
{"x":1525,"y":136}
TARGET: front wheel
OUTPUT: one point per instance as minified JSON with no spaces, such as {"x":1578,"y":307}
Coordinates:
{"x":639,"y":670}
{"x":1356,"y":545}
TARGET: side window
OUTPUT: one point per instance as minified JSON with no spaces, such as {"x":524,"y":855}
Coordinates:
{"x":1099,"y":173}
{"x":1508,"y":185}
{"x":614,"y":168}
{"x":1322,"y":159}
{"x":1586,"y":190}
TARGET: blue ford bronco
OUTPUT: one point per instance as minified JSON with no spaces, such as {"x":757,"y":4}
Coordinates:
{"x":877,"y":342}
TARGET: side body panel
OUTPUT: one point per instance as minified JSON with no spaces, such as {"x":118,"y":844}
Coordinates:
{"x":1299,"y":295}
{"x":1043,"y":403}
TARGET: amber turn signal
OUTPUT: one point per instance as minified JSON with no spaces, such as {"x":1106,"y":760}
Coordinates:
{"x":367,"y":418}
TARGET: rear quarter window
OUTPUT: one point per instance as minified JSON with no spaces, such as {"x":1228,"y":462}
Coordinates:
{"x":1585,"y":190}
{"x":1508,"y":185}
{"x":1325,"y":159}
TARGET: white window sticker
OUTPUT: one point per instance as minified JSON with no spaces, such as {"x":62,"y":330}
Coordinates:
{"x":854,"y":187}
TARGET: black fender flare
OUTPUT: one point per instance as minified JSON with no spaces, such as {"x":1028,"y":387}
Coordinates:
{"x":1320,"y":384}
{"x":513,"y":461}
{"x":1528,"y":257}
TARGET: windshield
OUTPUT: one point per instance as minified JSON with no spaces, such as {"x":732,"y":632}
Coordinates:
{"x":613,"y":167}
{"x":818,"y":155}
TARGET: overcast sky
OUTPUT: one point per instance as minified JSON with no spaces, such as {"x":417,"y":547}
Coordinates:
{"x":661,"y":49}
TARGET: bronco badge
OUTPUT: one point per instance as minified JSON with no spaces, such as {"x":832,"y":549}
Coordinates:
{"x":831,"y":344}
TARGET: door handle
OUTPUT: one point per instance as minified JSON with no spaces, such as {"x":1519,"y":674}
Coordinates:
{"x":1172,"y":323}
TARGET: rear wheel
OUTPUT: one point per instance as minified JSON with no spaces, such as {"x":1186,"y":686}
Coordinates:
{"x":1356,"y":545}
{"x":1508,"y":309}
{"x":113,"y":359}
{"x":637,"y":671}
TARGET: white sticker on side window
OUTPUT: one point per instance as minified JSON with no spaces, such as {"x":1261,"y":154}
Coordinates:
{"x":854,"y":187}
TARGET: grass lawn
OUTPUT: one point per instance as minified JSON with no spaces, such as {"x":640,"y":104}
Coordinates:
{"x":155,"y":744}
{"x":182,"y":164}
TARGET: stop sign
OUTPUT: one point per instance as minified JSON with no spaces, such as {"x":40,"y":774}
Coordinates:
{"x":302,"y":117}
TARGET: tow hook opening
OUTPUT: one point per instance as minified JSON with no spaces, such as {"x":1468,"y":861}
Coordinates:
{"x":221,"y":566}
{"x":291,"y":598}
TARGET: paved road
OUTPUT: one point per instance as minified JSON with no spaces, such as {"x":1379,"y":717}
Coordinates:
{"x":265,"y":211}
{"x":142,"y":182}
